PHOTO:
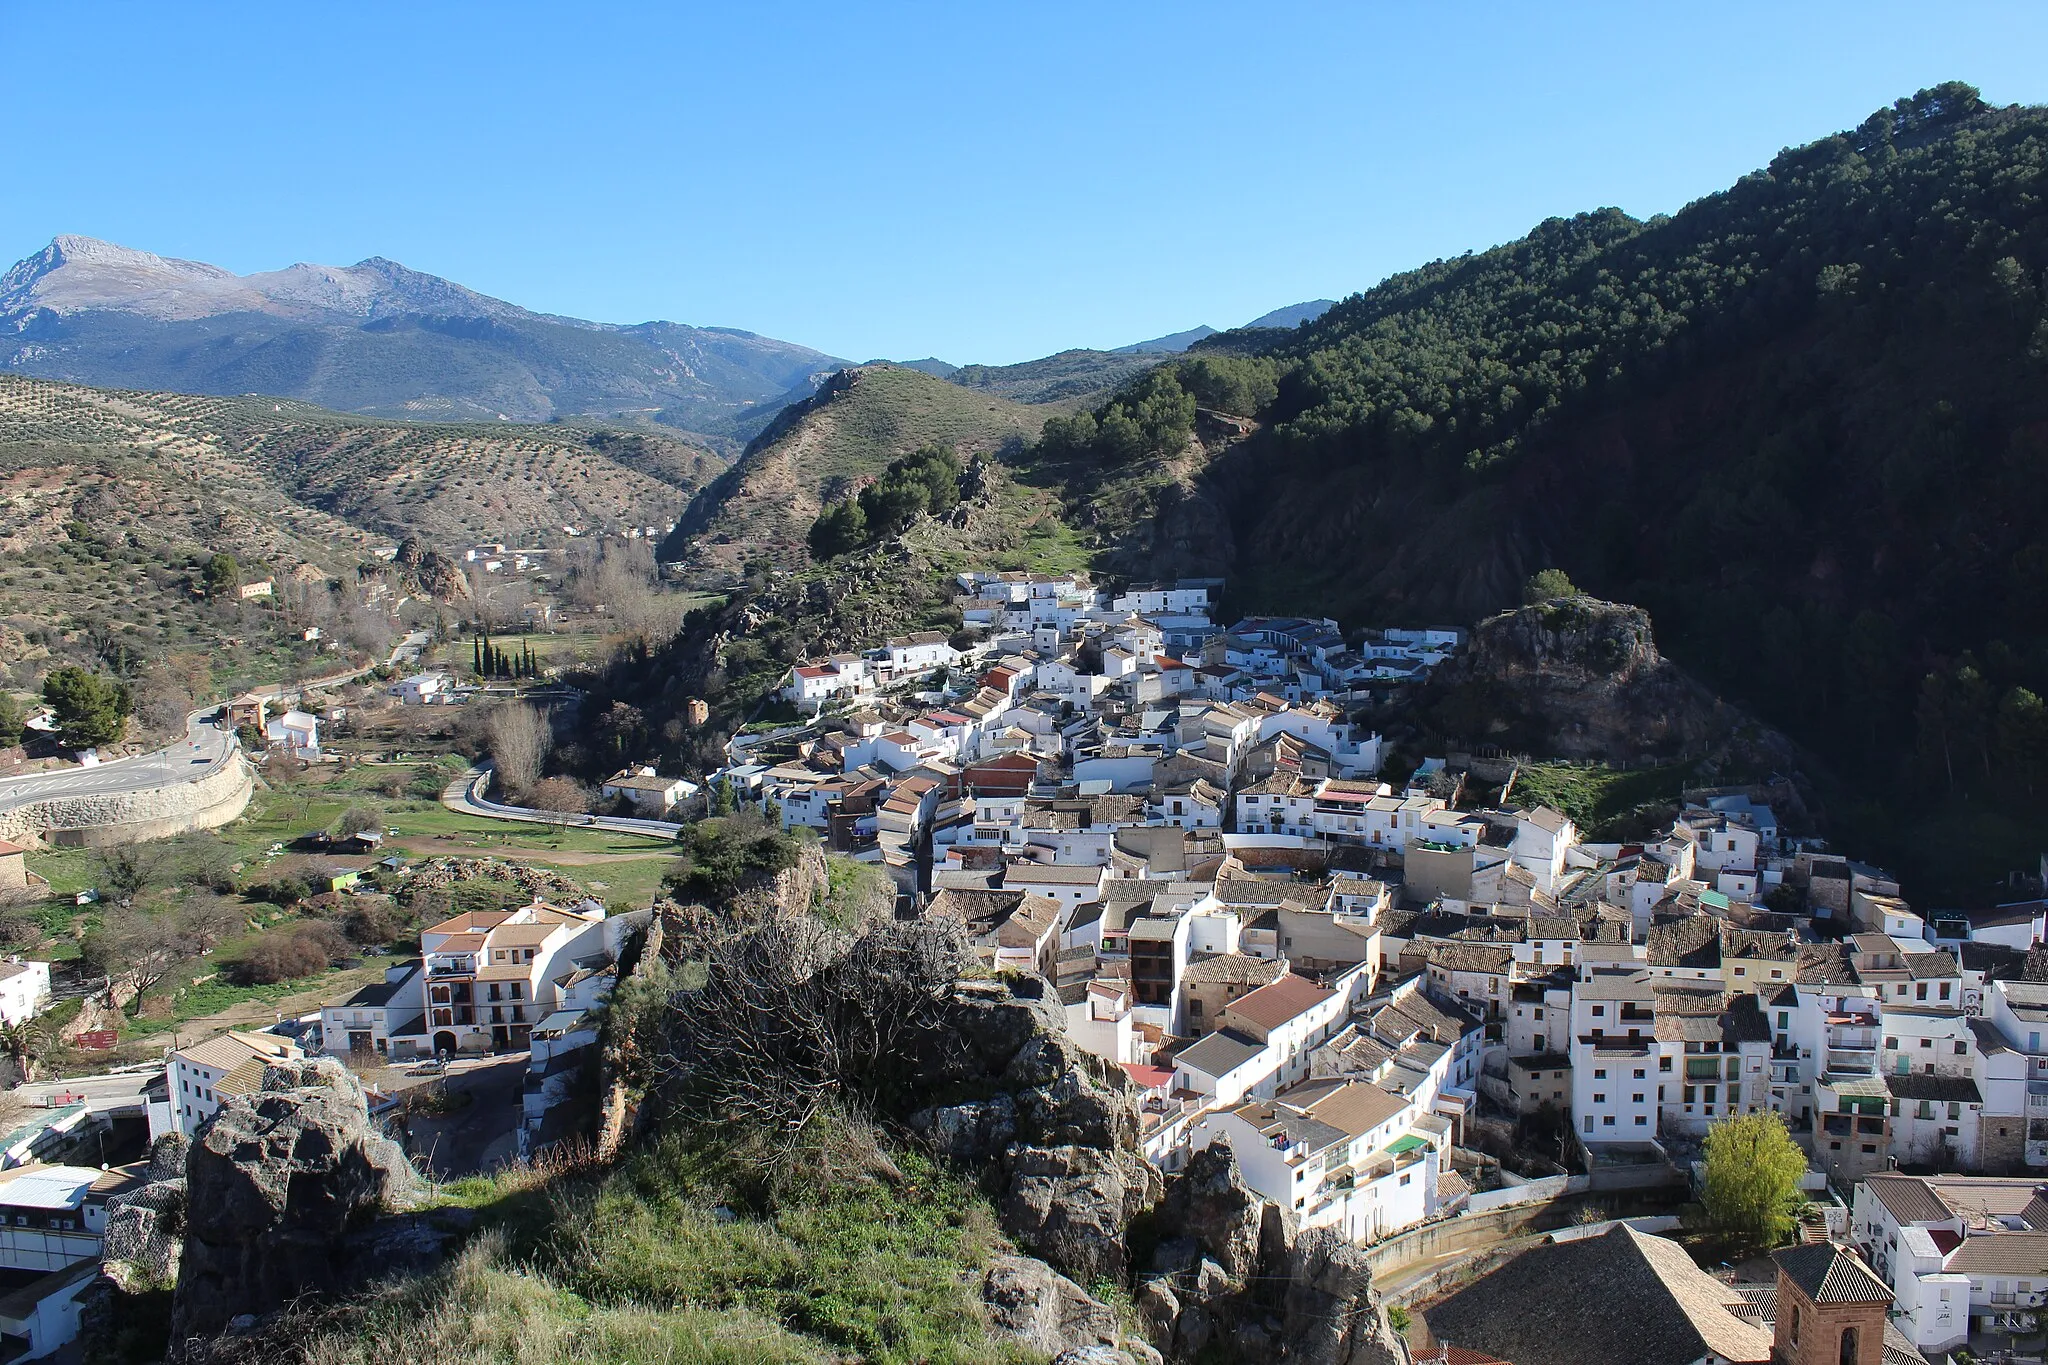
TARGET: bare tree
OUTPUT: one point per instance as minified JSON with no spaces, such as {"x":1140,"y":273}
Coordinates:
{"x":794,"y":1020}
{"x":205,"y":921}
{"x":519,"y":740}
{"x":560,"y":799}
{"x":135,"y":949}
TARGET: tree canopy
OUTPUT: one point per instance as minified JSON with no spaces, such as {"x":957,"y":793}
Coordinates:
{"x":1754,"y":1168}
{"x":90,"y":710}
{"x":925,"y":481}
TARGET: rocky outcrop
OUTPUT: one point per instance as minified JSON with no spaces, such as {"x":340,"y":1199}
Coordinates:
{"x":1332,"y":1317}
{"x":1214,"y":1215}
{"x":1579,"y":678}
{"x":1033,"y":1306}
{"x":1073,"y":1205}
{"x":1058,"y":1131}
{"x":283,"y":1191}
{"x":1231,"y":1278}
{"x":145,"y":1234}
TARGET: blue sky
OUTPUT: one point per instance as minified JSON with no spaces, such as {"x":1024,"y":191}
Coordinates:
{"x":968,"y":181}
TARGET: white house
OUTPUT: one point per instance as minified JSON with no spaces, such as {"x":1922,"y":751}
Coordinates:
{"x":198,"y":1077}
{"x":1959,"y":1252}
{"x":919,"y":652}
{"x":295,"y":732}
{"x":423,"y":688}
{"x":1336,"y":1154}
{"x":369,"y":1021}
{"x":24,"y":990}
{"x":652,"y":795}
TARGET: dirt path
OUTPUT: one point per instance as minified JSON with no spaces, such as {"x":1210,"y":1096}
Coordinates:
{"x":434,"y":847}
{"x":330,"y":988}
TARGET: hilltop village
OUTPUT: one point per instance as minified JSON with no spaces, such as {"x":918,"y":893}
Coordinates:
{"x":1380,"y":997}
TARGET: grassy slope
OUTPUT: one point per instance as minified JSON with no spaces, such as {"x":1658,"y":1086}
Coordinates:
{"x":765,"y":504}
{"x":673,"y":1256}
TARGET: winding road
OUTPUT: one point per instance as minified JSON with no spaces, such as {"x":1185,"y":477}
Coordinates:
{"x":466,"y":794}
{"x":208,"y":746}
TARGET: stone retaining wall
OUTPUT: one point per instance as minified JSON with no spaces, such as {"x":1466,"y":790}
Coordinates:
{"x":99,"y":820}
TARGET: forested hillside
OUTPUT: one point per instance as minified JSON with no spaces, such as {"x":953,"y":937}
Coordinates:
{"x":1804,"y":422}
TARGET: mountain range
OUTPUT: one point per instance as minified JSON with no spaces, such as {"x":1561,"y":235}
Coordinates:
{"x":379,"y":339}
{"x":375,"y":339}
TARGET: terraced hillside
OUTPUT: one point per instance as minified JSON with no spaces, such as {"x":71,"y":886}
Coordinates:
{"x":860,"y":420}
{"x":331,"y":475}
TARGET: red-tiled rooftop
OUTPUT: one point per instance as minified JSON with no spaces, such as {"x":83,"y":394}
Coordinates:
{"x":1274,"y":1004}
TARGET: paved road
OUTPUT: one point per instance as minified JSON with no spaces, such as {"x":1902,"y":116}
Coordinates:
{"x":208,"y":745}
{"x":466,"y":794}
{"x":105,"y":1092}
{"x":480,"y":1135}
{"x":407,"y":651}
{"x":206,"y":749}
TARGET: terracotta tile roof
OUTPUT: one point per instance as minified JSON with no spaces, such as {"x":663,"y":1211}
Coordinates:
{"x":1830,"y":1273}
{"x":1274,"y":1004}
{"x":1908,"y":1199}
{"x":1624,"y":1296}
{"x":470,"y":922}
{"x":230,"y":1050}
{"x":2001,"y":1253}
{"x":1235,"y":969}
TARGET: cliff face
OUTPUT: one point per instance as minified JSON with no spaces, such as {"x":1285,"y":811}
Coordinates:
{"x":1579,"y":678}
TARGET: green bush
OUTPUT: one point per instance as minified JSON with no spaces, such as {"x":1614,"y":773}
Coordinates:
{"x":722,"y":854}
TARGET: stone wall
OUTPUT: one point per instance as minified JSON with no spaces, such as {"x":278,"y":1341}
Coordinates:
{"x":96,"y":821}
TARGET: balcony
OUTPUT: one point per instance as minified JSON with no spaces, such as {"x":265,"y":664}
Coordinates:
{"x":1850,"y":1061}
{"x":446,"y":967}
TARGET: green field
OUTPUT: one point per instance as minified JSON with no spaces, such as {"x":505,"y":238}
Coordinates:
{"x":623,"y":870}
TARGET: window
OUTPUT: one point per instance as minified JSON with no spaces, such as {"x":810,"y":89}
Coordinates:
{"x":1600,"y":1010}
{"x":1636,"y":1098}
{"x":1600,"y":1099}
{"x":1962,"y":1049}
{"x":1639,"y":1076}
{"x":1607,"y":1121}
{"x":1642,"y":1121}
{"x":1599,"y":1073}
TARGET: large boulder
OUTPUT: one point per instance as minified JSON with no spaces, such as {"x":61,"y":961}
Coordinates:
{"x":1034,"y":1306}
{"x":1332,"y":1315}
{"x":1073,"y":1205}
{"x":1055,"y":1127}
{"x":278,"y":1183}
{"x":1209,"y":1204}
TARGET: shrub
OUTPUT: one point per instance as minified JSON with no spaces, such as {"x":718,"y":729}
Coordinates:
{"x":721,"y":855}
{"x":306,"y":951}
{"x":373,"y":920}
